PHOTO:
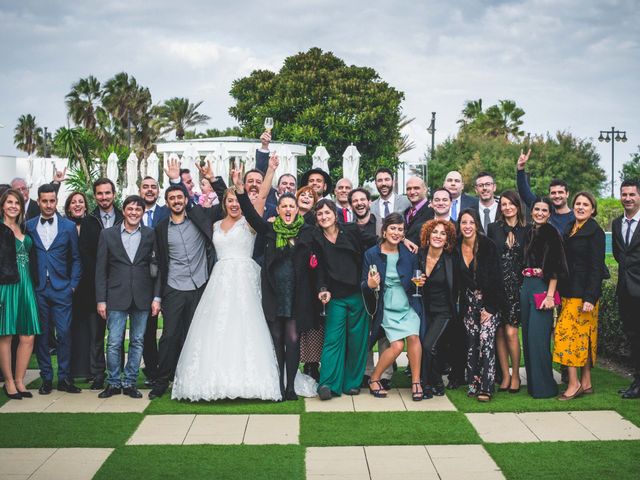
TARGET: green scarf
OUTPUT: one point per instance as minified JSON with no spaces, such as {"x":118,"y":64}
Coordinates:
{"x":284,"y":232}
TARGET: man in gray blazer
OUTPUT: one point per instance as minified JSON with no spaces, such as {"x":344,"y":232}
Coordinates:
{"x":388,"y":202}
{"x":127,"y":284}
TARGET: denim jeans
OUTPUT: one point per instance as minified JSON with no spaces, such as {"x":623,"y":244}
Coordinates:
{"x":116,"y":323}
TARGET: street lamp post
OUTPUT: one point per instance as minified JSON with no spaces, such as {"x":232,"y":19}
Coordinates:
{"x":612,"y":136}
{"x":432,"y":130}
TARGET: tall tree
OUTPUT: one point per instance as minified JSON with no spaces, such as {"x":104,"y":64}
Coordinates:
{"x":631,"y":168}
{"x":315,"y":99}
{"x":177,"y":114}
{"x":501,"y":120}
{"x":27,"y":134}
{"x":79,"y":145}
{"x":83,"y":102}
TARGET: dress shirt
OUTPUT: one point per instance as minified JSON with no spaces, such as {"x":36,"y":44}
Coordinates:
{"x":47,"y":231}
{"x":347,"y":214}
{"x":392,"y":203}
{"x":130,"y":241}
{"x":148,"y":219}
{"x":112,"y":217}
{"x":415,"y":208}
{"x":455,"y":208}
{"x":187,"y":256}
{"x":633,"y":226}
{"x":493,"y":210}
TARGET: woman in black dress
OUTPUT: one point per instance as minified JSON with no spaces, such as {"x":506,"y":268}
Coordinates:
{"x":509,"y":233}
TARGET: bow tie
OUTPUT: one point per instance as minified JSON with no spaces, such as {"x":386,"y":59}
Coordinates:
{"x":46,"y":220}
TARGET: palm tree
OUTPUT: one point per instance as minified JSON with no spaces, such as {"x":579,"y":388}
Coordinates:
{"x":83,"y":102}
{"x":27,"y":135}
{"x":177,"y":114}
{"x":471,"y":112}
{"x":78,"y":145}
{"x":403,"y":143}
{"x":511,"y":115}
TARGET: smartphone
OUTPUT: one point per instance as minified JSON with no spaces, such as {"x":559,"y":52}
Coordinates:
{"x":373,"y":269}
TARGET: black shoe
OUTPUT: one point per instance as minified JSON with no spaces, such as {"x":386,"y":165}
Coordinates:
{"x":453,"y":384}
{"x":67,"y":386}
{"x":25,"y":394}
{"x":290,"y":395}
{"x":386,"y":383}
{"x":132,"y":392}
{"x":46,"y":387}
{"x":157,"y":391}
{"x":438,"y":390}
{"x":365,"y":381}
{"x":353,"y":391}
{"x":427,"y":392}
{"x":632,"y":392}
{"x":324,"y":392}
{"x":149,"y":382}
{"x":12,"y":396}
{"x":97,"y":384}
{"x":110,"y":391}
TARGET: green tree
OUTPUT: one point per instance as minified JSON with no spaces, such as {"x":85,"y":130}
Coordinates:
{"x":214,"y":132}
{"x":501,"y":120}
{"x":27,"y":134}
{"x":83,"y":102}
{"x":177,"y":114}
{"x":560,"y":156}
{"x":315,"y":99}
{"x":631,"y":169}
{"x":79,"y":145}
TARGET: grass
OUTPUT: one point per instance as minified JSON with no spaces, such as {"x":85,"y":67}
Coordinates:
{"x":165,"y":405}
{"x":386,"y":428}
{"x":565,"y":460}
{"x":205,"y":462}
{"x":67,"y":429}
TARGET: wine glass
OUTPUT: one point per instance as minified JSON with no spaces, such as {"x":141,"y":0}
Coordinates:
{"x":324,"y":305}
{"x":417,"y":276}
{"x":268,"y":124}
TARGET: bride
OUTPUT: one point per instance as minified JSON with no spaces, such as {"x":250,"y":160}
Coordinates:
{"x":228,"y":352}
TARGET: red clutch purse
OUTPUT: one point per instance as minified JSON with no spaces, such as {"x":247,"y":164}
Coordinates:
{"x":538,"y":298}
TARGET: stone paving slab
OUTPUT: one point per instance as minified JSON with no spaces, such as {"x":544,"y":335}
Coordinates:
{"x":86,"y":401}
{"x":217,"y":430}
{"x":389,"y":462}
{"x":398,"y":400}
{"x":553,"y":426}
{"x":51,"y":463}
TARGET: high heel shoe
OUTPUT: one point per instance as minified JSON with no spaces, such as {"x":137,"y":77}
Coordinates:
{"x":416,"y":395}
{"x":12,"y":396}
{"x":379,"y":392}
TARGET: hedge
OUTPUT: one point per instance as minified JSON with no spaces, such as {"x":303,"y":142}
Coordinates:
{"x":612,"y":342}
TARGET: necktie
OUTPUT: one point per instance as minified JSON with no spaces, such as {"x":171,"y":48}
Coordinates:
{"x":454,"y":210}
{"x":386,"y":208}
{"x":487,"y":218}
{"x":46,"y":220}
{"x":627,"y":237}
{"x":106,"y":217}
{"x":412,"y":213}
{"x":149,"y":219}
{"x":345,"y":215}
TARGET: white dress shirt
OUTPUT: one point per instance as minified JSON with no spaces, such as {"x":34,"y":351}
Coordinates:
{"x":493,"y":210}
{"x":626,"y":226}
{"x":47,"y":231}
{"x":392,"y":202}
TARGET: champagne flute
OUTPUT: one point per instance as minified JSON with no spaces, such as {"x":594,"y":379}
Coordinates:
{"x":324,"y":305}
{"x":268,"y":124}
{"x":417,"y":276}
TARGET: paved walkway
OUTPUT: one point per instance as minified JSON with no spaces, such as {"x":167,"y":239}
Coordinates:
{"x":51,"y":463}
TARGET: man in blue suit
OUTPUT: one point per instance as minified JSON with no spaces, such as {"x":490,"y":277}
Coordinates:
{"x":56,"y":242}
{"x":153,"y":214}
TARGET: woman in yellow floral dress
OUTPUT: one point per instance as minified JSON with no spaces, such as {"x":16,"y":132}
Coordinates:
{"x":575,"y":339}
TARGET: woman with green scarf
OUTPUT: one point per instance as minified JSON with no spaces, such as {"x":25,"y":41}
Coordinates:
{"x":287,"y":288}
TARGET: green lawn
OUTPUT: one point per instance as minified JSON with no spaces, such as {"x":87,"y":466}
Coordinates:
{"x":205,"y":462}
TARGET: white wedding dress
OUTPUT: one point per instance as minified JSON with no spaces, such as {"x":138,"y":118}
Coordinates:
{"x":228,"y":352}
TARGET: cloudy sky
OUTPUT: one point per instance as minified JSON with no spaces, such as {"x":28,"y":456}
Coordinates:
{"x":572,"y":65}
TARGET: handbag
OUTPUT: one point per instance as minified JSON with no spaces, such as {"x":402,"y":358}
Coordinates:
{"x":538,"y":298}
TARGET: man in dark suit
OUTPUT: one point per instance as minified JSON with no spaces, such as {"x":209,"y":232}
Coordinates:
{"x":459,"y":200}
{"x":418,"y":213}
{"x":345,"y":212}
{"x":126,"y":287}
{"x":31,"y":208}
{"x":153,"y":215}
{"x":185,"y":260}
{"x":626,"y":250}
{"x":59,"y":270}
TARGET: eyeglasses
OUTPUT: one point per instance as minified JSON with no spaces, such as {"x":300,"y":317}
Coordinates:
{"x":485,"y":185}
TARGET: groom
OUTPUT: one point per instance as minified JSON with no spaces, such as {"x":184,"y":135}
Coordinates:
{"x":56,"y":242}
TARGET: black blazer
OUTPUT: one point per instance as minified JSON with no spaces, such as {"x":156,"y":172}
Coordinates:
{"x":413,"y":228}
{"x":488,"y":276}
{"x":468,"y":201}
{"x":121,"y":282}
{"x":118,"y":214}
{"x":544,"y":250}
{"x":496,"y":232}
{"x":452,"y":273}
{"x":33,"y":210}
{"x":8,"y":258}
{"x":305,"y":300}
{"x":585,"y":259}
{"x":203,"y":219}
{"x":628,"y":258}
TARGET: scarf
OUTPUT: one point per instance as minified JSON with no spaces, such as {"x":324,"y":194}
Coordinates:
{"x":284,"y":232}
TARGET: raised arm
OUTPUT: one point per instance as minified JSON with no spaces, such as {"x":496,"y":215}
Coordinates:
{"x":248,"y":209}
{"x":524,"y":189}
{"x":265,"y":188}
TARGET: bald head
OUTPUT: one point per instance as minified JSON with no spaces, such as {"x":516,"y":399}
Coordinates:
{"x":416,"y":190}
{"x":343,"y":187}
{"x":454,"y":183}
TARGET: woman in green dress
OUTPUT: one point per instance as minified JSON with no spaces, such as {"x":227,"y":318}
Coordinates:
{"x":18,"y":305}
